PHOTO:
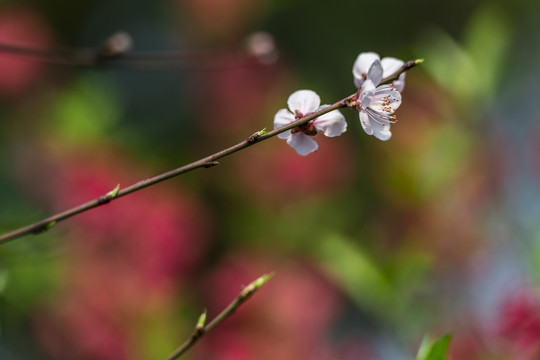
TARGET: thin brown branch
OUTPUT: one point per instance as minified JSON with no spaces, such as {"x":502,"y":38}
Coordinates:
{"x":405,"y":67}
{"x":201,"y":328}
{"x":206,"y":162}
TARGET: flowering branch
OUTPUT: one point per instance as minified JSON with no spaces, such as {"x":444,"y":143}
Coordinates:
{"x":201,"y":328}
{"x":207,"y":162}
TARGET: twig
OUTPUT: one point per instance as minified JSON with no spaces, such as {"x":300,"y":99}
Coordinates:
{"x":201,"y":328}
{"x":405,"y":67}
{"x":206,"y":162}
{"x":116,"y":52}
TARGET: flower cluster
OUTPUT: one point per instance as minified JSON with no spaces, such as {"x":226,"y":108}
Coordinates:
{"x":375,"y":103}
{"x":389,"y":66}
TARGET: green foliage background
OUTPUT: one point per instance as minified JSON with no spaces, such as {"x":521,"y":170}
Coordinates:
{"x":433,"y":231}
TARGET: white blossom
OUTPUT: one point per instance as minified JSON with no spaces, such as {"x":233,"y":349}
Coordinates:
{"x":301,"y":103}
{"x":377,"y":104}
{"x":389,"y":65}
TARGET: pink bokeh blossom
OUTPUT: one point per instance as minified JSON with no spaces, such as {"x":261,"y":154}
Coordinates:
{"x":122,"y":262}
{"x":21,"y":27}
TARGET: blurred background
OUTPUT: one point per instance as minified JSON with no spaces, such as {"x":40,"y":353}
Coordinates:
{"x":374,"y":244}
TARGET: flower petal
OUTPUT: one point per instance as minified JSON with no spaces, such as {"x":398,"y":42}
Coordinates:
{"x":390,"y":65}
{"x":399,"y":84}
{"x":304,"y":101}
{"x":385,"y":100}
{"x":302,"y":143}
{"x":366,"y":125}
{"x":331,"y":124}
{"x":375,"y":73}
{"x":382,"y":132}
{"x":358,"y":82}
{"x":361,"y":66}
{"x":282,"y":118}
{"x":285,"y":135}
{"x":368,"y":91}
{"x":380,"y":128}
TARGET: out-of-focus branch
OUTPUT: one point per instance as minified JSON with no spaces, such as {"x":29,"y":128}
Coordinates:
{"x":116,"y":52}
{"x":201,"y":328}
{"x":112,"y":48}
{"x":206,"y":162}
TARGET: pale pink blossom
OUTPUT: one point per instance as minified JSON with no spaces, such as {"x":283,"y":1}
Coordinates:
{"x":377,"y":104}
{"x":301,"y":103}
{"x":389,"y":65}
